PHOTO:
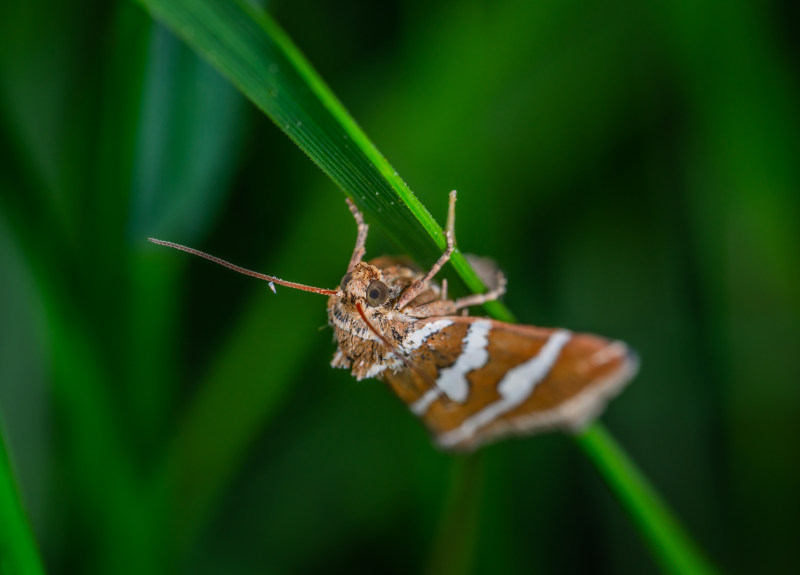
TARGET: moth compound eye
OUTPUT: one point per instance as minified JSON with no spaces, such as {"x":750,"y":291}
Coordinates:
{"x":377,"y":293}
{"x":345,"y":280}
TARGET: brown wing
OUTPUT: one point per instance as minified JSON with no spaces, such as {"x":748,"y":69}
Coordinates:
{"x":496,"y":379}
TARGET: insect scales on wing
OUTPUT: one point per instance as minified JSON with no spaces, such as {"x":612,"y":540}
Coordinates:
{"x":470,"y":380}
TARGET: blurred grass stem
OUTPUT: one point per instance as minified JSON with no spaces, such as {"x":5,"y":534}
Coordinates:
{"x":18,"y":552}
{"x":671,"y":546}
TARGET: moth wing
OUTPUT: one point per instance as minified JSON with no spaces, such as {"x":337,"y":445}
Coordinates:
{"x":495,"y":379}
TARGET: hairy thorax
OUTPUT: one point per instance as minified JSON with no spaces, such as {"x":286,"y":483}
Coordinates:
{"x":360,"y":349}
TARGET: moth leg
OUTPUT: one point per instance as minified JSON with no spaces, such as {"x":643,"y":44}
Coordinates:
{"x":448,"y":307}
{"x":419,"y":286}
{"x":361,"y":238}
{"x":482,"y":298}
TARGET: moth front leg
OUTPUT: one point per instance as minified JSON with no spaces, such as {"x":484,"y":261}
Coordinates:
{"x":448,"y":307}
{"x":421,"y":284}
{"x":361,"y":238}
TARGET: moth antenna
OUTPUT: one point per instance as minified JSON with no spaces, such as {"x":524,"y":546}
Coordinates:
{"x":271,"y":279}
{"x":410,"y":364}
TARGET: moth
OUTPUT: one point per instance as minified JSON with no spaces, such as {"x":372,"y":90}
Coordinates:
{"x":470,"y":380}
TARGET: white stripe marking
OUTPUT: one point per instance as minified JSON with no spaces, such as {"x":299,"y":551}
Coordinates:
{"x":474,"y":355}
{"x":420,"y":406}
{"x":452,"y":380}
{"x":415,"y":339}
{"x":517,"y":386}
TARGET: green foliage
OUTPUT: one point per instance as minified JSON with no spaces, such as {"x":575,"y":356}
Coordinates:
{"x":633,"y":169}
{"x":19,"y":549}
{"x":253,"y":52}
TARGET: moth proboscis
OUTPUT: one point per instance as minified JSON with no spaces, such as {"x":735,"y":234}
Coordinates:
{"x":471,"y":380}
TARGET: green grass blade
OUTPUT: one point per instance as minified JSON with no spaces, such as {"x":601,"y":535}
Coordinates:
{"x":19,"y":553}
{"x":454,"y":548}
{"x":670,"y":545}
{"x":250,"y":49}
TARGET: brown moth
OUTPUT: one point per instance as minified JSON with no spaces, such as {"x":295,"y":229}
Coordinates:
{"x":471,"y":380}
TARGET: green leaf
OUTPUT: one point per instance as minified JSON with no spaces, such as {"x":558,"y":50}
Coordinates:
{"x":248,"y":47}
{"x":19,"y":553}
{"x":192,"y":127}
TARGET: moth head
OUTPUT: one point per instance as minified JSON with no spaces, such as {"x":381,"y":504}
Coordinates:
{"x":365,"y":282}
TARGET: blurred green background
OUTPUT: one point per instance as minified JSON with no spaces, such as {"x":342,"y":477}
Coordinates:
{"x":634,"y":169}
